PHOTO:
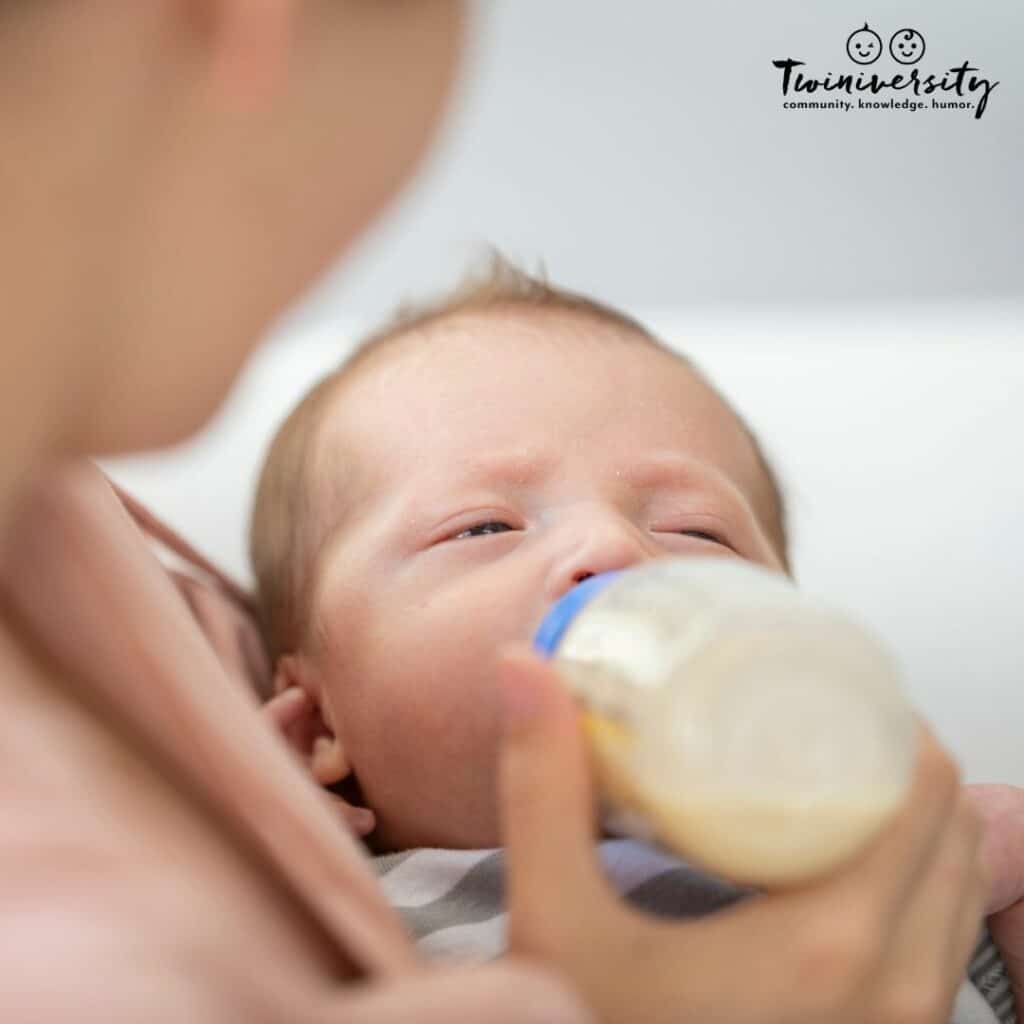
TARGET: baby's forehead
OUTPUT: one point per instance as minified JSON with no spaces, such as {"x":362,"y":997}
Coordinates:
{"x":471,"y":342}
{"x":406,"y":378}
{"x":431,"y":367}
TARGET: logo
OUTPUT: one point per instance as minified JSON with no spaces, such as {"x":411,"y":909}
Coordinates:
{"x":907,"y":46}
{"x":959,"y":87}
{"x":864,"y":46}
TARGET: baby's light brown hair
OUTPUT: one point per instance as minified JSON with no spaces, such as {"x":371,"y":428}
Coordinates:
{"x":286,"y":533}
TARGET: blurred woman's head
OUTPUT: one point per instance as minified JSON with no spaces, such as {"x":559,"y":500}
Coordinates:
{"x":175,"y":172}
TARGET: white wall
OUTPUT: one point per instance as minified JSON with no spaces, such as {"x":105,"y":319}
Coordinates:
{"x":641,"y":151}
{"x":900,"y":438}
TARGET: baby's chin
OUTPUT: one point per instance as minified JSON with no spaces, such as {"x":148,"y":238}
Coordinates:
{"x":477,"y":835}
{"x":453,"y":831}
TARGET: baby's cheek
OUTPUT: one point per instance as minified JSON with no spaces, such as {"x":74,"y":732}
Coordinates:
{"x":421,"y":717}
{"x":425,"y":748}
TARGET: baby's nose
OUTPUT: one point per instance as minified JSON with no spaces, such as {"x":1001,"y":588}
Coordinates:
{"x":604,"y":549}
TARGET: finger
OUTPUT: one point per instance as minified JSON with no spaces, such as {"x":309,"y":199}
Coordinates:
{"x":361,"y":820}
{"x":548,"y":819}
{"x":505,"y":993}
{"x":286,"y":708}
{"x":889,"y":870}
{"x":966,"y":941}
{"x":932,"y":940}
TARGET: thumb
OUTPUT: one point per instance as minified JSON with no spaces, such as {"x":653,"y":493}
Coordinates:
{"x":547,"y":805}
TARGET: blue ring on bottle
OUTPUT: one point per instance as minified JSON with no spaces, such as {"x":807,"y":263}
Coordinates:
{"x":550,"y":632}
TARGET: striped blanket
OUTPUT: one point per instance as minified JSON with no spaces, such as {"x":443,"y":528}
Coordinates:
{"x":452,"y":903}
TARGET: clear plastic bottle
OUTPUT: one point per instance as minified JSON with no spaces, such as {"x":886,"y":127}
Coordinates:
{"x":750,"y":729}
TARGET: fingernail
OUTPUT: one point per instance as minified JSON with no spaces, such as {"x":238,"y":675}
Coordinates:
{"x":364,"y":821}
{"x":520,"y":699}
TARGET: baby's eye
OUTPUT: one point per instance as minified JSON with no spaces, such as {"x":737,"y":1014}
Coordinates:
{"x":705,"y":536}
{"x":482,"y":529}
{"x":702,"y":535}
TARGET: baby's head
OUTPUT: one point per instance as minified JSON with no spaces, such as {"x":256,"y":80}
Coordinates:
{"x":426,"y":503}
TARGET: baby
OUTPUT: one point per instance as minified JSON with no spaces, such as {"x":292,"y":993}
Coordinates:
{"x":424,"y":506}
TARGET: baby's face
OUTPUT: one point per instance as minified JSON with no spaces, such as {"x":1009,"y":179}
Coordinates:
{"x":498,"y":462}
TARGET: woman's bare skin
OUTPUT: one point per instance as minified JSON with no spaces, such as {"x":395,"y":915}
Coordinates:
{"x":172,"y":174}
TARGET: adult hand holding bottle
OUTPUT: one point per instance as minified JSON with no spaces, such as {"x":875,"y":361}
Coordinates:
{"x":884,"y":939}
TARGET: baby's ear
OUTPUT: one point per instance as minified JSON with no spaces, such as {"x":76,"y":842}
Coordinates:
{"x":295,"y":712}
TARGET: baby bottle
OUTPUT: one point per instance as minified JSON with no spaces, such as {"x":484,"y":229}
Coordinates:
{"x":750,"y":729}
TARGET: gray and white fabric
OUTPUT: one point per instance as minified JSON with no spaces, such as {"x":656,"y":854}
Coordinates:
{"x":452,"y":902}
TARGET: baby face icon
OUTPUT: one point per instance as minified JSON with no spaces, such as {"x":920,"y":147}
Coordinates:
{"x":865,"y":46}
{"x":907,"y":46}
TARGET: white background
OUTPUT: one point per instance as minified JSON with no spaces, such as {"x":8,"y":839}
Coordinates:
{"x":641,"y":151}
{"x":852,"y":281}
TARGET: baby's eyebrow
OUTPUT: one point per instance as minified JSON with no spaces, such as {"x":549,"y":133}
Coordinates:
{"x":525,"y":468}
{"x":666,"y":469}
{"x":515,"y":468}
{"x":518,"y":468}
{"x":672,"y":471}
